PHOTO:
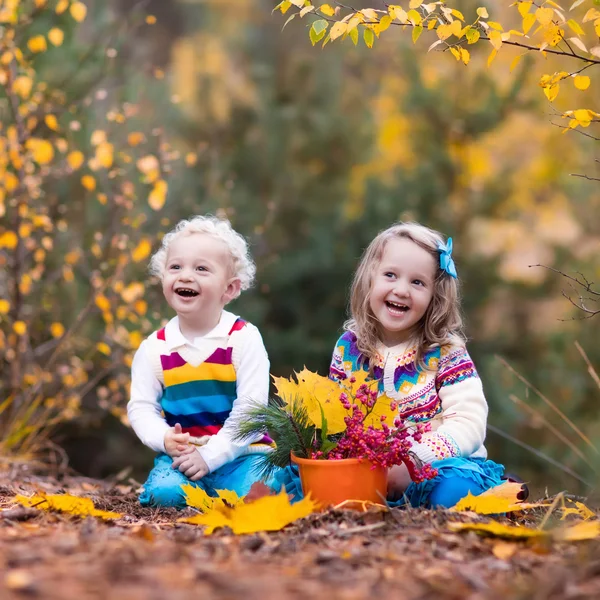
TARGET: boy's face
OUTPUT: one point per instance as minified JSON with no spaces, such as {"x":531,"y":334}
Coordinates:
{"x":197,"y":281}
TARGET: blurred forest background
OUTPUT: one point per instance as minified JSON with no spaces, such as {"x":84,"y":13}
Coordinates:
{"x":206,"y":106}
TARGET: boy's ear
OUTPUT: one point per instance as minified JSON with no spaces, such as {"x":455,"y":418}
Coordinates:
{"x":234,"y":287}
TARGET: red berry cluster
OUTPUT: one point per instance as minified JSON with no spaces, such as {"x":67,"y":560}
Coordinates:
{"x":383,"y":447}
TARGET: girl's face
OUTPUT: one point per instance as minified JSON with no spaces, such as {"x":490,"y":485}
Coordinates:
{"x":402,"y":289}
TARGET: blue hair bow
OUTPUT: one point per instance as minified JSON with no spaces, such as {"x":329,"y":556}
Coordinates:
{"x":446,"y":260}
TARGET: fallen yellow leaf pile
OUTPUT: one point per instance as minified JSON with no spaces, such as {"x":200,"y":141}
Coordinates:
{"x":65,"y":503}
{"x":587,"y":530}
{"x":269,"y":513}
{"x":502,"y":499}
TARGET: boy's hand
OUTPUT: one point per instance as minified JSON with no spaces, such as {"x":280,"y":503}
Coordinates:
{"x":398,"y":480}
{"x":176,"y":442}
{"x":192,"y":465}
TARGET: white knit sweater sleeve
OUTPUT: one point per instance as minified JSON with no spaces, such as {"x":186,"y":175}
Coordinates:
{"x":143,"y":409}
{"x":251,"y":365}
{"x":464,"y":410}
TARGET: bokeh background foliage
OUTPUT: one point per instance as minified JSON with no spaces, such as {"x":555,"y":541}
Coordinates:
{"x":185,"y":107}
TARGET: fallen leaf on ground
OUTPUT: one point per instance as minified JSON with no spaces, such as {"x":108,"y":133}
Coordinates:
{"x":580,"y":509}
{"x":65,"y":503}
{"x":504,"y":550}
{"x":496,"y":500}
{"x":499,"y":530}
{"x":196,"y":497}
{"x":270,"y":513}
{"x":587,"y":530}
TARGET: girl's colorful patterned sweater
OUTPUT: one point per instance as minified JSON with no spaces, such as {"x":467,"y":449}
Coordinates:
{"x":449,"y":393}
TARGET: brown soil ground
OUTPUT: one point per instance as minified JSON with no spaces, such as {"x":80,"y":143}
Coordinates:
{"x":345,"y":554}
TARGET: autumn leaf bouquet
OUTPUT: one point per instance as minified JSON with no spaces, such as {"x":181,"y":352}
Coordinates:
{"x":317,"y":418}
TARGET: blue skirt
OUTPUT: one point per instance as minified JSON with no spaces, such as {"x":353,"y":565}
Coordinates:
{"x":163,"y":486}
{"x":455,"y":479}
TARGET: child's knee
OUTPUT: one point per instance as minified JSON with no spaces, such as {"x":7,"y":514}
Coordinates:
{"x":164,"y":491}
{"x":449,"y":491}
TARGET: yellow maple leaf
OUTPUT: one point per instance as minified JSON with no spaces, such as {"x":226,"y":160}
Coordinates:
{"x":499,"y":499}
{"x":499,"y":530}
{"x":196,"y":497}
{"x":65,"y":503}
{"x":269,"y":513}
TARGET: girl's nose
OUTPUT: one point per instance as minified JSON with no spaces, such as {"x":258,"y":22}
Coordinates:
{"x":401,"y":288}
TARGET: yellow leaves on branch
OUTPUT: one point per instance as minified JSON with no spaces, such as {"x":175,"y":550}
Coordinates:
{"x":78,"y":11}
{"x":65,"y":503}
{"x":581,"y":82}
{"x":20,"y":327}
{"x":37,"y":44}
{"x":75,"y":159}
{"x":56,"y":36}
{"x":142,"y":250}
{"x":4,"y":306}
{"x":158,"y":195}
{"x":317,"y":393}
{"x":41,"y":150}
{"x":9,"y":240}
{"x":269,"y":513}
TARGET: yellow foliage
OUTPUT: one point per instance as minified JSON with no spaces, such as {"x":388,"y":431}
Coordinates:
{"x":88,"y":182}
{"x":22,"y":86}
{"x":57,"y":330}
{"x":587,"y":530}
{"x":75,"y":159}
{"x":65,"y":503}
{"x":496,"y":500}
{"x":142,"y":250}
{"x":102,"y":302}
{"x":51,"y":122}
{"x":42,"y":150}
{"x":9,"y":240}
{"x":78,"y":11}
{"x":269,"y":513}
{"x":104,"y":348}
{"x":104,"y":154}
{"x":580,"y":510}
{"x":581,"y":82}
{"x":4,"y":306}
{"x":499,"y":530}
{"x":56,"y":36}
{"x":158,"y":195}
{"x":37,"y":44}
{"x":19,"y":327}
{"x":61,"y":6}
{"x":196,"y":497}
{"x":132,"y":292}
{"x":316,"y":392}
{"x":135,"y":138}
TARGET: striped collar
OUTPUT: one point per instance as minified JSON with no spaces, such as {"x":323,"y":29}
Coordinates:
{"x":175,"y":339}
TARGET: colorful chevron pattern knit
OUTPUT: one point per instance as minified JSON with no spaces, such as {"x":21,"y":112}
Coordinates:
{"x":448,"y":394}
{"x":199,"y":398}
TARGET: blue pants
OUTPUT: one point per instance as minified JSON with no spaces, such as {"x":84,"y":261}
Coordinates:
{"x":456,"y":478}
{"x":163,"y":486}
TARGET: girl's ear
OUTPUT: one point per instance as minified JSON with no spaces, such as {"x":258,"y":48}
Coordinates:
{"x":234,"y":287}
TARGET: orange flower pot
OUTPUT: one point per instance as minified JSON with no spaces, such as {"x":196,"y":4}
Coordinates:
{"x":330,"y":482}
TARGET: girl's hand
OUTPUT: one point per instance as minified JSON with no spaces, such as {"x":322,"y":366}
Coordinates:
{"x":176,"y":439}
{"x":398,"y":480}
{"x":192,"y":465}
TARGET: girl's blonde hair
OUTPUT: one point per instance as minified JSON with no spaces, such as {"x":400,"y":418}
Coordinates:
{"x":242,"y":264}
{"x":442,"y":322}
